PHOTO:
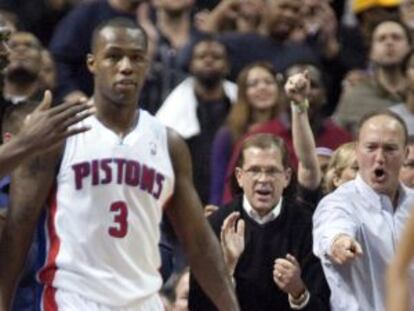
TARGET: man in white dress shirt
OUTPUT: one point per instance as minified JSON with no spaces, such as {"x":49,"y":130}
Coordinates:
{"x":357,"y":227}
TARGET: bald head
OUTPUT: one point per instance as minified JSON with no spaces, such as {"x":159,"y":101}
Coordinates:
{"x":386,"y":119}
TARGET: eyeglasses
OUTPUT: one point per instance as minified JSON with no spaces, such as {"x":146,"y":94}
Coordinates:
{"x":256,"y":172}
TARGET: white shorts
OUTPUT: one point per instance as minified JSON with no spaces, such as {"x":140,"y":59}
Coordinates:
{"x":62,"y":300}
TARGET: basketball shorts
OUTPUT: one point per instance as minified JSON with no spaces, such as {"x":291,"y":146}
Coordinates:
{"x":62,"y":300}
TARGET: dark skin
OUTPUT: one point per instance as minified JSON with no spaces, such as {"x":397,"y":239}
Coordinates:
{"x":119,"y":65}
{"x":46,"y":127}
{"x":43,"y":130}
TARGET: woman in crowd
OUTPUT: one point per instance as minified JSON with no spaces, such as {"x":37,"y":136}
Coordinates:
{"x":259,"y":100}
{"x":341,"y":168}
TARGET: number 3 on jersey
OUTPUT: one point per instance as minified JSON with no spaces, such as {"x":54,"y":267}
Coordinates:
{"x":119,"y":228}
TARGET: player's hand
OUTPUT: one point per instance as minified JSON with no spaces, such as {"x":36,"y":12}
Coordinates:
{"x":344,"y":249}
{"x":46,"y":127}
{"x":232,"y":239}
{"x":297,"y":87}
{"x":287,"y":275}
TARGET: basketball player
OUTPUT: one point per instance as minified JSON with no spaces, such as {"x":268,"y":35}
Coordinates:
{"x":106,"y":199}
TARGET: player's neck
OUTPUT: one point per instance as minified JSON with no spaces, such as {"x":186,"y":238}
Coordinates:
{"x":120,"y":119}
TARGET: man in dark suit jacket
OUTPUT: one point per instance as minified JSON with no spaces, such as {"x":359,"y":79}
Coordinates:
{"x":266,"y":237}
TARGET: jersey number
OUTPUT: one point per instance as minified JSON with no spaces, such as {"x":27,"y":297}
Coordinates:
{"x":120,"y":227}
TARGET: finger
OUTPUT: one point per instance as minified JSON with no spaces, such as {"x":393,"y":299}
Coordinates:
{"x":356,"y":248}
{"x":292,"y":259}
{"x":72,"y":111}
{"x":82,"y":102}
{"x":284,"y":263}
{"x":281,"y":269}
{"x":240,"y":227}
{"x":143,"y":13}
{"x":277,"y":273}
{"x":230,"y":222}
{"x":277,"y":276}
{"x":222,"y":237}
{"x":75,"y":131}
{"x":46,"y":102}
{"x":75,"y":119}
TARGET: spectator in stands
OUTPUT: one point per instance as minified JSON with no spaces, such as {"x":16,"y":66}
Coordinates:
{"x":198,"y":106}
{"x":48,"y":74}
{"x":370,"y":13}
{"x":341,"y":168}
{"x":355,"y":228}
{"x":407,"y":169}
{"x":406,"y":109}
{"x":21,"y":90}
{"x":259,"y":99}
{"x":406,"y":10}
{"x":257,"y":227}
{"x":325,"y":131}
{"x":234,"y":15}
{"x":386,"y":85}
{"x":40,"y":17}
{"x":266,"y":237}
{"x":324,"y":155}
{"x":172,"y":29}
{"x":273,"y":43}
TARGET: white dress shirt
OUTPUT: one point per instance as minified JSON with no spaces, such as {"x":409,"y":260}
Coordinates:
{"x":262,"y":219}
{"x":357,"y":210}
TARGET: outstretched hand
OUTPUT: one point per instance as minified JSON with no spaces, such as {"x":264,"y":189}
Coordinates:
{"x":345,"y":249}
{"x":46,"y":128}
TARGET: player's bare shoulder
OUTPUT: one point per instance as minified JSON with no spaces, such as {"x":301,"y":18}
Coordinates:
{"x":179,"y":152}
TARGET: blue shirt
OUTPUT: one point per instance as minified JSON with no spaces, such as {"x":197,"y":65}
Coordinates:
{"x":357,"y":210}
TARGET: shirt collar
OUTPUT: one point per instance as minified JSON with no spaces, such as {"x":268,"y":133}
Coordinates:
{"x":382,"y":200}
{"x":272,"y":215}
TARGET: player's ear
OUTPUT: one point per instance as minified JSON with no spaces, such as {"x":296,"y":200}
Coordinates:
{"x":90,"y":62}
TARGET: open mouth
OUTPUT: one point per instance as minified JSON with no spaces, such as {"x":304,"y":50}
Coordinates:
{"x":379,"y":174}
{"x":263,"y":193}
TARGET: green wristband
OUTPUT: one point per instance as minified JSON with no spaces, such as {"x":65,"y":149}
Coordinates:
{"x":301,"y":107}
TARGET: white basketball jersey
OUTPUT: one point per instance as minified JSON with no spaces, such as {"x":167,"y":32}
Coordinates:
{"x":103,"y":223}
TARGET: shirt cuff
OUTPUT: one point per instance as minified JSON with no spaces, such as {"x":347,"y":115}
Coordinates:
{"x":301,"y":302}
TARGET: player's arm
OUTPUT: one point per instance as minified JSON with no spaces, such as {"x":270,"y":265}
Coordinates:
{"x":398,"y":277}
{"x":31,"y":183}
{"x":201,"y":246}
{"x":44,"y":129}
